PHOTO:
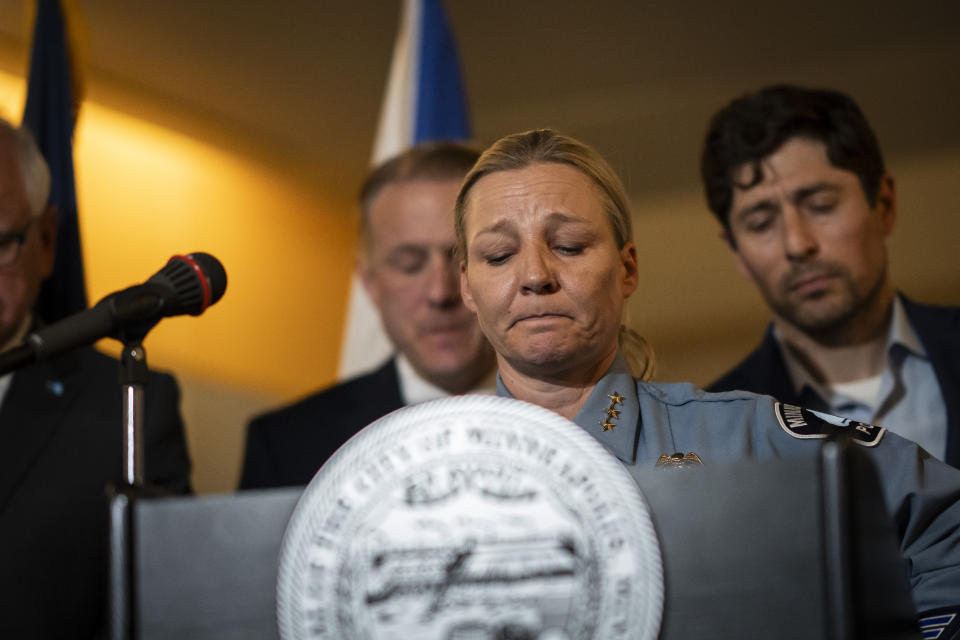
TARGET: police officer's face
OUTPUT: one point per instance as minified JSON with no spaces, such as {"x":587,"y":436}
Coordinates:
{"x":411,"y":275}
{"x":20,"y":279}
{"x":809,"y":239}
{"x":543,"y":271}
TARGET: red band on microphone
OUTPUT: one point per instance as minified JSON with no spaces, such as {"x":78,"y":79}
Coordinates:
{"x":200,"y":274}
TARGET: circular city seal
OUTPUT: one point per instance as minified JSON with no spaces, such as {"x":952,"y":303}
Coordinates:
{"x":472,"y":517}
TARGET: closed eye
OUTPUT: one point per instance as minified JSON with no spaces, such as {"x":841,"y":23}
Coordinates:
{"x":758,"y":227}
{"x":569,"y":250}
{"x":497,"y":258}
{"x":408,"y":260}
{"x":818,"y":198}
{"x":758,"y":223}
{"x":822,"y":207}
{"x":757,"y":217}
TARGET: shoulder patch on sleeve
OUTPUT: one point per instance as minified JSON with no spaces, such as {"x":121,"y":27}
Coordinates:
{"x":806,"y":423}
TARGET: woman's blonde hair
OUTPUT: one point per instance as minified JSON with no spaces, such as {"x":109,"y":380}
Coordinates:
{"x":520,"y":150}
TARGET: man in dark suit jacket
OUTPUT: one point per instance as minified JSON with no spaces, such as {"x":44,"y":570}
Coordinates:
{"x":286,"y":447}
{"x":409,"y":268}
{"x":797,"y":180}
{"x":62,"y":433}
{"x":764,"y":370}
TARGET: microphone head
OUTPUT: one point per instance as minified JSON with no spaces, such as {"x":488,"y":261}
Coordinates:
{"x":215,"y":273}
{"x":197,"y":281}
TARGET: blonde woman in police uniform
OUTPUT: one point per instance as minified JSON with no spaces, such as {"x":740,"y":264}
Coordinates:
{"x":544,"y":227}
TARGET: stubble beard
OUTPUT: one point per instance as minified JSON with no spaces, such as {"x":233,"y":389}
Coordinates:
{"x":825,"y":319}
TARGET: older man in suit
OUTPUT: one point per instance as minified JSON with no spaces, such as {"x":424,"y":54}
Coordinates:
{"x":411,"y":271}
{"x":61,"y":429}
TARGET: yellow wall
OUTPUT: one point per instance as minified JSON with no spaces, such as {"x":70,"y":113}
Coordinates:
{"x":146,"y":193}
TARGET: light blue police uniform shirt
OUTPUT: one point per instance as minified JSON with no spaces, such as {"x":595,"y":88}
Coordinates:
{"x":655,"y":419}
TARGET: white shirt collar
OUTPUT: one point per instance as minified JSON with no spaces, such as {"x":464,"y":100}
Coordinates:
{"x":22,"y":330}
{"x":15,"y":339}
{"x":414,"y":389}
{"x":900,"y":333}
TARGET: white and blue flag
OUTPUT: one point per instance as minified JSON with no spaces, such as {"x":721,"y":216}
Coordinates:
{"x":424,"y":101}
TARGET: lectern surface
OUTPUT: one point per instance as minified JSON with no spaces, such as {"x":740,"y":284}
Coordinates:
{"x":206,"y":567}
{"x":746,"y":549}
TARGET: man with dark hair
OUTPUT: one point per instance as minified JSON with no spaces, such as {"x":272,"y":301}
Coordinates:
{"x":62,"y":432}
{"x":409,"y":268}
{"x":797,"y":180}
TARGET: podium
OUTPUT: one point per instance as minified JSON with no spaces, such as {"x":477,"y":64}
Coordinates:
{"x":205,"y":568}
{"x":780,"y":548}
{"x":790,"y":548}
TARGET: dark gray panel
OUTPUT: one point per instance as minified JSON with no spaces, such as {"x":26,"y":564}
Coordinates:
{"x":207,"y":567}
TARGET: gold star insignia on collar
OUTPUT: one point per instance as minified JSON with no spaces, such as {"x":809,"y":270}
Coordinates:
{"x":612,"y":413}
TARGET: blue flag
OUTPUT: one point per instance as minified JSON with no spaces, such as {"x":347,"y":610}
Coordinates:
{"x":441,"y":110}
{"x":50,"y":114}
{"x":424,"y":101}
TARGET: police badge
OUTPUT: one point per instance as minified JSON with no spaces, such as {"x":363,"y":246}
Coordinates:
{"x":679,"y":461}
{"x":477,"y":517}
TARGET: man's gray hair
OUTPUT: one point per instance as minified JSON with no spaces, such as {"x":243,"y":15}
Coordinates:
{"x":33,"y":168}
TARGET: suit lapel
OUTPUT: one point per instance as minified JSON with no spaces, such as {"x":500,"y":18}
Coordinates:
{"x":772,"y":376}
{"x":947,"y":367}
{"x":388,"y":379}
{"x":33,"y":410}
{"x":939,"y":331}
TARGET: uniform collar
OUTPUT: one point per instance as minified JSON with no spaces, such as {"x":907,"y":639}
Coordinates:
{"x":613,"y":401}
